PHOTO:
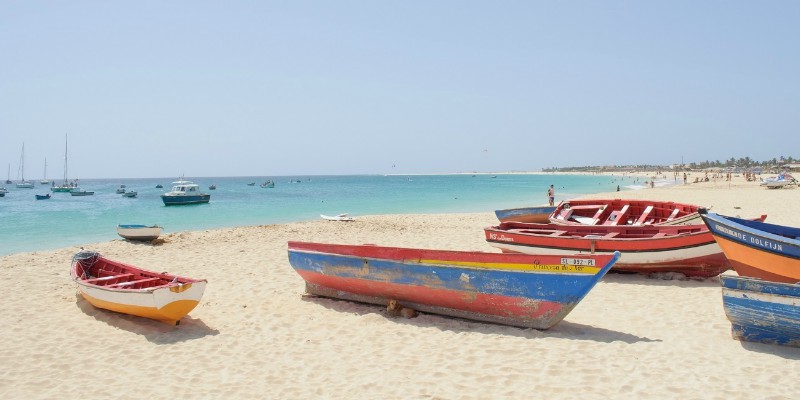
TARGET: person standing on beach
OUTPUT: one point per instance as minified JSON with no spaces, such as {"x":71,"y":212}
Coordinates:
{"x":551,"y":195}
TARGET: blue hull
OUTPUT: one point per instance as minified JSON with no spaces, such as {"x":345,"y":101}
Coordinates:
{"x":183,"y":200}
{"x":762,"y":311}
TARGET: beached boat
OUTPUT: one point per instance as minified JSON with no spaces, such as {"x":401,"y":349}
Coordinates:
{"x":526,"y":214}
{"x":762,"y":311}
{"x":139,"y":232}
{"x":124,"y":288}
{"x":687,"y":249}
{"x":778,"y":182}
{"x":757,"y":249}
{"x":514,"y":289}
{"x":624,"y":212}
{"x":184,"y":192}
{"x":42,"y":196}
{"x":338,"y":217}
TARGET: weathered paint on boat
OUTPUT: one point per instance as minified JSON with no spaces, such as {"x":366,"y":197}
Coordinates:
{"x":127,"y":289}
{"x":757,"y":249}
{"x":624,"y":212}
{"x":762,"y":311}
{"x":512,"y":289}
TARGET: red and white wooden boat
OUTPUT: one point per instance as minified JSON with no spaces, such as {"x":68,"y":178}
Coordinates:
{"x":687,"y":249}
{"x":614,"y":212}
{"x":126,"y":289}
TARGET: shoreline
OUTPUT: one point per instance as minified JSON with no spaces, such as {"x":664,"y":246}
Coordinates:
{"x":256,"y":334}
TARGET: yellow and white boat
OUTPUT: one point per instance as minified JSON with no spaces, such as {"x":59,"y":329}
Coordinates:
{"x":127,"y":289}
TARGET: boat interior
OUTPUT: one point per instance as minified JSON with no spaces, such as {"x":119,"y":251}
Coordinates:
{"x":599,"y":232}
{"x":100,"y":272}
{"x":621,"y":212}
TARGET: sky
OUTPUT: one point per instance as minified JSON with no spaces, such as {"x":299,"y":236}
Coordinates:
{"x":258,"y":88}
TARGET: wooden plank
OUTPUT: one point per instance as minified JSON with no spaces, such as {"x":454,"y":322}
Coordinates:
{"x":107,"y":278}
{"x":644,"y":215}
{"x":130,"y":283}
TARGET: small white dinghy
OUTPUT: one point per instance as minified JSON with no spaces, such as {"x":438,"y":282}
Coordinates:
{"x":142,"y":233}
{"x":340,"y":217}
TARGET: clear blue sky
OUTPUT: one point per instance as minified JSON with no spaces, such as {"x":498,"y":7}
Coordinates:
{"x":235,"y":88}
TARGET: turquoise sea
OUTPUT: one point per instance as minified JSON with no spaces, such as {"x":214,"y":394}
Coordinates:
{"x":65,"y":220}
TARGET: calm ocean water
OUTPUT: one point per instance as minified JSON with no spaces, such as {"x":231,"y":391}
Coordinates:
{"x":65,"y":220}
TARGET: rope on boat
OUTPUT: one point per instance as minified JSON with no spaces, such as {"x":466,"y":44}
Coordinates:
{"x":86,"y":258}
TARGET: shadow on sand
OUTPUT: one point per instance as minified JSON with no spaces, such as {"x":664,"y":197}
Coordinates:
{"x":563,"y":330}
{"x":154,"y":331}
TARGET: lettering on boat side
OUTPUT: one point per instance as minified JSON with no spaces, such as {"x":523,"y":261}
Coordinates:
{"x":730,"y":232}
{"x":578,"y":261}
{"x":501,"y":237}
{"x":761,"y":242}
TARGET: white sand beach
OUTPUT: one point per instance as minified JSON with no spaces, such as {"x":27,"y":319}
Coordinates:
{"x":256,"y":335}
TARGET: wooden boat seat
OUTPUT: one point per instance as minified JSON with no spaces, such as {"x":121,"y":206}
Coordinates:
{"x":673,"y":215}
{"x":558,"y":233}
{"x":616,"y":216}
{"x":107,"y":278}
{"x":644,"y":215}
{"x":659,"y":235}
{"x":610,"y":235}
{"x":130,"y":283}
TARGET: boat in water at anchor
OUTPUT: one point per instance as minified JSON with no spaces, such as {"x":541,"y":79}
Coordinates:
{"x":184,"y":192}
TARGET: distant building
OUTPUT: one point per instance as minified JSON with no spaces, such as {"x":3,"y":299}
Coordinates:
{"x":793,"y":167}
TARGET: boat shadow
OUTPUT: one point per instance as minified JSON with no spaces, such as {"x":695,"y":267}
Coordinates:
{"x":786,"y":352}
{"x":563,"y":330}
{"x":154,"y":331}
{"x":660,"y":279}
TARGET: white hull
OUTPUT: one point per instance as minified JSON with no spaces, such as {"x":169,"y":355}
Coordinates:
{"x":639,"y":257}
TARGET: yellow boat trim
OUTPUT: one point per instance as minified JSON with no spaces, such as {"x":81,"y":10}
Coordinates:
{"x":560,"y":268}
{"x":170,"y":314}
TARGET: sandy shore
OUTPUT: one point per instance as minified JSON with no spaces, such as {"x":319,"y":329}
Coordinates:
{"x":255,"y":335}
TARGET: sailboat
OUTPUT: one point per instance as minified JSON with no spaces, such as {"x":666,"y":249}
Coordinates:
{"x":45,"y":181}
{"x":8,"y":178}
{"x":23,"y":184}
{"x":65,"y":186}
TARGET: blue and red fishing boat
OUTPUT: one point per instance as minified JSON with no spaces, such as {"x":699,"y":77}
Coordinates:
{"x":757,"y":249}
{"x":531,"y":291}
{"x":762,"y":311}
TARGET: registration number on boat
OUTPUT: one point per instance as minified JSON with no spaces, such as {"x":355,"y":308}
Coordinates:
{"x":587,"y":262}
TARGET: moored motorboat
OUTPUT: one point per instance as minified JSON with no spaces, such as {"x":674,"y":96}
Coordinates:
{"x":42,"y":196}
{"x":124,"y":288}
{"x":624,"y":212}
{"x":531,"y":291}
{"x":184,"y":192}
{"x":130,"y":193}
{"x":686,"y":249}
{"x":762,"y":311}
{"x":139,"y":232}
{"x":757,"y":249}
{"x":80,"y":192}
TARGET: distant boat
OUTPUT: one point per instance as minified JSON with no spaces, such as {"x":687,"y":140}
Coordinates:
{"x":3,"y":191}
{"x":66,"y":185}
{"x":340,"y":217}
{"x":139,"y":232}
{"x":8,"y":178}
{"x":184,"y":192}
{"x":212,"y":187}
{"x":159,"y":186}
{"x":121,"y":189}
{"x":530,"y":291}
{"x":251,"y":184}
{"x":45,"y":181}
{"x":81,"y":192}
{"x":23,"y":184}
{"x":124,"y":288}
{"x":42,"y":196}
{"x":778,"y":182}
{"x":130,"y":193}
{"x":268,"y":184}
{"x":762,"y":311}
